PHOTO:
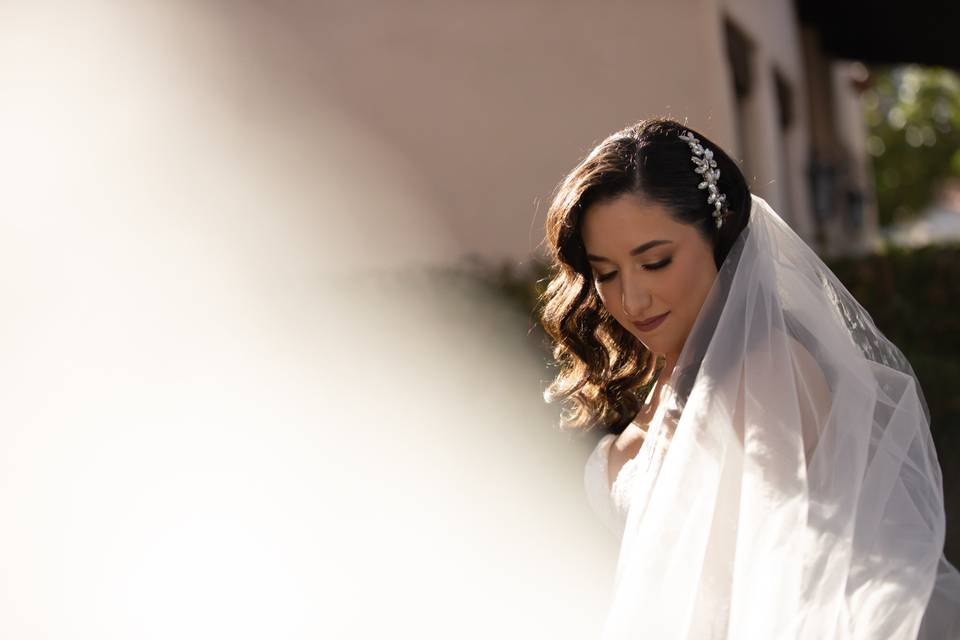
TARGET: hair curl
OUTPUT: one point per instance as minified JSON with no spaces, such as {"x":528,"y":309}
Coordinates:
{"x":605,"y":372}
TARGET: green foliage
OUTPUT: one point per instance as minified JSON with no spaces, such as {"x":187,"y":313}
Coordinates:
{"x":910,"y":296}
{"x":521,"y":286}
{"x":913,"y":119}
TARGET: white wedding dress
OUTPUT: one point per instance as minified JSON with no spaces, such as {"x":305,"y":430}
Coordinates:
{"x":608,"y":502}
{"x":611,"y":502}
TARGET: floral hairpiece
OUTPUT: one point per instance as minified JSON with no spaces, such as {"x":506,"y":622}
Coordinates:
{"x":706,"y":166}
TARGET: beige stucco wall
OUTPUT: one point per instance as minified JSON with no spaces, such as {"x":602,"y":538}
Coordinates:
{"x":774,"y":30}
{"x":475,"y":111}
{"x":491,"y":103}
{"x":848,"y":114}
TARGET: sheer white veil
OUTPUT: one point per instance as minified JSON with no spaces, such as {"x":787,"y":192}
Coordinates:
{"x":791,"y":488}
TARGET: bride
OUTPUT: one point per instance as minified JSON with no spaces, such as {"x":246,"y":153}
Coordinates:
{"x":767,"y":464}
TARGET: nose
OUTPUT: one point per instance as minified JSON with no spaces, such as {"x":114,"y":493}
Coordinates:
{"x":635,"y":300}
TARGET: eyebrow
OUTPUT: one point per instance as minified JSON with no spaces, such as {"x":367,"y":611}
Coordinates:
{"x":634,"y":252}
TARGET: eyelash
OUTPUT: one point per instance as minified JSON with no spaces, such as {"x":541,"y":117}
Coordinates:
{"x":649,"y":267}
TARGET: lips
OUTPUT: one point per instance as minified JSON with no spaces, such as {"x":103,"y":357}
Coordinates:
{"x":652,"y":323}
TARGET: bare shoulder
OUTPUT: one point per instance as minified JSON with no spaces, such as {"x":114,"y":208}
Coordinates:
{"x":631,"y":438}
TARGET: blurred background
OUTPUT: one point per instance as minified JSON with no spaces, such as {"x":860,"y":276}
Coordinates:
{"x":270,"y":274}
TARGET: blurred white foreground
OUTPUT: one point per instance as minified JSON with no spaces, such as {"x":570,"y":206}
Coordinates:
{"x":216,"y":423}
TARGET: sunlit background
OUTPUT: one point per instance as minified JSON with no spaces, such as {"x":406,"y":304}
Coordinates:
{"x":271,"y":365}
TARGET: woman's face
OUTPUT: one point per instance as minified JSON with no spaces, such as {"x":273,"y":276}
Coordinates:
{"x":646,"y":264}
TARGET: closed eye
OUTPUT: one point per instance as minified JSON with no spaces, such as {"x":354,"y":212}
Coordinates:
{"x":658,"y":265}
{"x":603,"y":277}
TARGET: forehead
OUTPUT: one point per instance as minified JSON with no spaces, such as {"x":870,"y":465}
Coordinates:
{"x":619,"y":225}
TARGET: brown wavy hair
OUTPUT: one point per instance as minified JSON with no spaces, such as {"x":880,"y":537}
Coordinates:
{"x":605,"y":372}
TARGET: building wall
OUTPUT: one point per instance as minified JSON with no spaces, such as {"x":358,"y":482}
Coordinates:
{"x":838,"y":161}
{"x":775,"y":157}
{"x":857,"y":228}
{"x":492,"y":103}
{"x":485,"y":106}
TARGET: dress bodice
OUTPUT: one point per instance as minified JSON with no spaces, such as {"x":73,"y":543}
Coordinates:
{"x":609,"y":502}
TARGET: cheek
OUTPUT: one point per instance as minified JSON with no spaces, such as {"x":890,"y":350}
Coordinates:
{"x":697,"y":286}
{"x":606,"y":299}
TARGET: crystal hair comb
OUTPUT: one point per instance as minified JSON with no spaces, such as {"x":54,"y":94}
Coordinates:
{"x":707,"y":167}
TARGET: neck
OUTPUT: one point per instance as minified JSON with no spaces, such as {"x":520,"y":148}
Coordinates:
{"x":670,"y":361}
{"x":653,"y":398}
